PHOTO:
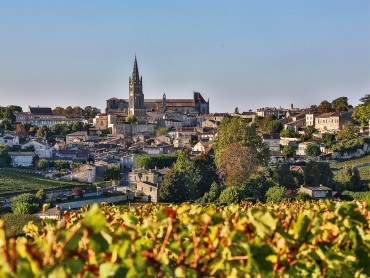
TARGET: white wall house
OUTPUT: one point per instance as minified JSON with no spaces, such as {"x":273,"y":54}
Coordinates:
{"x":42,"y":149}
{"x":23,"y":159}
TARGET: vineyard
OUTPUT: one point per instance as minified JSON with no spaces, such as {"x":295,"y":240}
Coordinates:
{"x":290,"y":239}
{"x":11,"y":182}
{"x":351,"y":162}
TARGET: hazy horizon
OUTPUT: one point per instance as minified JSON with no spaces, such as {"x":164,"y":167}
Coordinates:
{"x":245,"y":54}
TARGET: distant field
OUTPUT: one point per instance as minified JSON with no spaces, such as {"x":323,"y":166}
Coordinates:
{"x":352,"y":162}
{"x":14,"y":182}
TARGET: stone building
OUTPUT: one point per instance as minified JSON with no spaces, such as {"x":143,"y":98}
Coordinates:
{"x":139,"y":106}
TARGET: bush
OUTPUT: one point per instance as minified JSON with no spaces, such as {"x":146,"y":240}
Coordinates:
{"x":275,"y":194}
{"x":302,"y":196}
{"x":14,"y":223}
{"x":25,"y":208}
{"x":230,"y":195}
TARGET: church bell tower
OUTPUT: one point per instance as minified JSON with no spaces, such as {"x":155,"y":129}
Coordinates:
{"x":136,"y":96}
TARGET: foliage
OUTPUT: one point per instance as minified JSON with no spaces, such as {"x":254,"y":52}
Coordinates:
{"x":289,"y":133}
{"x":317,"y":173}
{"x":349,"y":179}
{"x":324,"y":107}
{"x":339,"y":103}
{"x":365,"y":99}
{"x":112,"y":172}
{"x":5,"y":159}
{"x":348,"y":132}
{"x":131,"y":118}
{"x":213,"y":194}
{"x":290,"y":239}
{"x":276,"y":194}
{"x":235,"y":130}
{"x":328,"y":139}
{"x":40,"y":195}
{"x":302,"y":196}
{"x":15,"y":223}
{"x":236,"y":164}
{"x":77,"y":191}
{"x":313,"y":150}
{"x":350,"y":195}
{"x":230,"y":195}
{"x":361,"y":114}
{"x":283,"y":176}
{"x":152,"y":161}
{"x":288,"y":151}
{"x":352,"y":162}
{"x":161,"y":131}
{"x":42,"y":164}
{"x":148,"y":142}
{"x":189,"y":178}
{"x":25,"y":204}
{"x":256,"y":186}
{"x":61,"y":164}
{"x":274,"y":126}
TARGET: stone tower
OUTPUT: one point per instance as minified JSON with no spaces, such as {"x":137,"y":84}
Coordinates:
{"x":136,"y":96}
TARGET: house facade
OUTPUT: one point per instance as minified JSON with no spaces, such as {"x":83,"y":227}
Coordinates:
{"x":23,"y":159}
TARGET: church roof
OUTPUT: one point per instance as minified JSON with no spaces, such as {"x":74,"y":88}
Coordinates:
{"x":41,"y":110}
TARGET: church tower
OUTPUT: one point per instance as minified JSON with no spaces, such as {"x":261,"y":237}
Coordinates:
{"x":136,"y":96}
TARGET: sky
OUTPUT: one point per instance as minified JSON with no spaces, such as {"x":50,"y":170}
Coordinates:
{"x":247,"y":54}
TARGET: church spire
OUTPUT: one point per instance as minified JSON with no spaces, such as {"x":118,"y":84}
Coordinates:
{"x":135,"y":71}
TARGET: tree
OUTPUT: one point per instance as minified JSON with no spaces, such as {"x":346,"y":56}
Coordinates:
{"x":340,"y":103}
{"x":90,"y":112}
{"x":5,"y":159}
{"x":361,"y":114}
{"x":283,"y":176}
{"x":173,"y":188}
{"x":236,"y":111}
{"x":131,"y":119}
{"x":113,"y":172}
{"x":328,"y":139}
{"x":235,"y":130}
{"x":42,"y":164}
{"x":317,"y":173}
{"x":6,"y":126}
{"x":162,"y":131}
{"x":349,"y":179}
{"x":40,"y":196}
{"x":313,"y":150}
{"x":324,"y":107}
{"x":236,"y":164}
{"x":274,"y":126}
{"x":25,"y":204}
{"x":61,"y":164}
{"x":276,"y":194}
{"x":229,"y":195}
{"x":288,"y":151}
{"x":366,"y":99}
{"x":78,"y":192}
{"x":348,"y":132}
{"x":76,"y":126}
{"x":213,"y":194}
{"x":289,"y":133}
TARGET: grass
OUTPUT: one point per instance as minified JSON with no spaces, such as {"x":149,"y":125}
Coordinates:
{"x":351,"y":162}
{"x":15,"y":183}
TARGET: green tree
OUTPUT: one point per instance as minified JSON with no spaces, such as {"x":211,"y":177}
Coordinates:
{"x":173,"y":188}
{"x":235,"y":130}
{"x":289,"y":133}
{"x":348,"y":132}
{"x":284,"y":177}
{"x":90,"y":112}
{"x":25,"y":204}
{"x":349,"y":179}
{"x":42,"y":164}
{"x":40,"y":196}
{"x":313,"y":150}
{"x":113,"y":172}
{"x":6,"y":126}
{"x":366,"y":99}
{"x":338,"y":103}
{"x":61,"y":164}
{"x":361,"y":114}
{"x":288,"y":151}
{"x":229,"y":195}
{"x":131,"y":118}
{"x":162,"y":131}
{"x":213,"y":194}
{"x":76,"y":126}
{"x":317,"y":173}
{"x":328,"y":139}
{"x":274,"y":126}
{"x":276,"y":194}
{"x":5,"y":159}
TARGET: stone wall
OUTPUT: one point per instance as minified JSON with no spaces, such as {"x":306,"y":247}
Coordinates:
{"x":350,"y":154}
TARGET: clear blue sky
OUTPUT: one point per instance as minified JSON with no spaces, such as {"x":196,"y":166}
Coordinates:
{"x":248,"y":54}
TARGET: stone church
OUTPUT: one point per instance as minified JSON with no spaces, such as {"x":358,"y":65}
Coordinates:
{"x":138,"y":106}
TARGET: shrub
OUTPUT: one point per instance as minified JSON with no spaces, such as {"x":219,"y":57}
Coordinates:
{"x":14,"y":223}
{"x":230,"y":195}
{"x":275,"y":194}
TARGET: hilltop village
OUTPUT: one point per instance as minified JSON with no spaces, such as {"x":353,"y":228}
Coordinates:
{"x":140,"y":145}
